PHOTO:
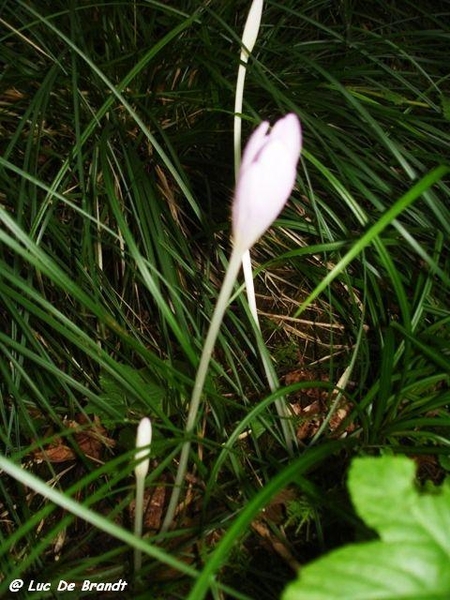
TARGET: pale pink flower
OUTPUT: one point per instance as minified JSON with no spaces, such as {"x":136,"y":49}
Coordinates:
{"x":266,"y":178}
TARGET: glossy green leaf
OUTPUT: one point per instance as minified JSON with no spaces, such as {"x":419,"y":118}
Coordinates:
{"x":411,"y":558}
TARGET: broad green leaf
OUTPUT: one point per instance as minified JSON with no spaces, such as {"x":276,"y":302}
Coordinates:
{"x":383,"y":497}
{"x":412,"y":557}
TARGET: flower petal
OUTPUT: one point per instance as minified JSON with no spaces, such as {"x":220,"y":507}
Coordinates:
{"x":261,"y":193}
{"x":255,"y":142}
{"x":289,"y":132}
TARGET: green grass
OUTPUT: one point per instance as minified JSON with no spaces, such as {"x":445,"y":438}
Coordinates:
{"x":116,"y":178}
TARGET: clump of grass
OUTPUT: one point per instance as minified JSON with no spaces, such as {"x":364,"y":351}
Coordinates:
{"x":116,"y":174}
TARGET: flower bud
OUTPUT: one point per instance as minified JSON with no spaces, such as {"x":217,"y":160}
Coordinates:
{"x":143,"y":440}
{"x":266,"y":178}
{"x":252,"y":27}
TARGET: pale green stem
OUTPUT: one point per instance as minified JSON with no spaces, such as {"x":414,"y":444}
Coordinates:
{"x":219,"y":311}
{"x":249,"y":285}
{"x":280,"y":403}
{"x":238,"y":100}
{"x":138,"y":518}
